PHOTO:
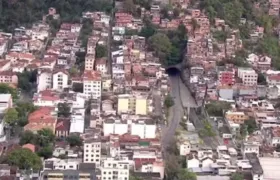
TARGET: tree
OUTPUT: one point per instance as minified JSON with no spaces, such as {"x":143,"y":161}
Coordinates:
{"x":129,"y":6}
{"x":261,"y":79}
{"x":176,"y":12}
{"x":6,"y":89}
{"x":73,"y":71}
{"x":24,"y":80}
{"x":161,"y":44}
{"x":63,"y":110}
{"x":45,"y":151}
{"x":27,"y":137}
{"x":11,"y":117}
{"x":78,"y":87}
{"x":101,"y":51}
{"x":236,"y":176}
{"x":131,"y":177}
{"x":251,"y":125}
{"x":86,"y":31}
{"x":45,"y":137}
{"x":185,"y":174}
{"x":147,"y":31}
{"x":182,"y":31}
{"x":168,"y":101}
{"x":24,"y":108}
{"x":217,"y":108}
{"x":74,"y":140}
{"x":24,"y":159}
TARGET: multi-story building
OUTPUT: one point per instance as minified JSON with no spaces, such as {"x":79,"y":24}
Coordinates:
{"x":144,"y":128}
{"x":101,"y":65}
{"x":236,"y":117}
{"x":115,"y":169}
{"x":227,"y":77}
{"x":8,"y":77}
{"x":92,"y":151}
{"x":92,"y":84}
{"x":60,"y":80}
{"x":248,"y":76}
{"x":44,"y":80}
{"x":250,"y":147}
{"x":111,"y":126}
{"x":128,"y":103}
{"x":89,"y":61}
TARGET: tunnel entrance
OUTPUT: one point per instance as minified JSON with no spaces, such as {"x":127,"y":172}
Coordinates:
{"x":173,"y":71}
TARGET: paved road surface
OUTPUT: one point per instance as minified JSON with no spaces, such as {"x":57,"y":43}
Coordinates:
{"x":176,"y":113}
{"x":182,"y":100}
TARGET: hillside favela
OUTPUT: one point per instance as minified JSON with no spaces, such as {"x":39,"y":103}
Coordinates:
{"x":139,"y":89}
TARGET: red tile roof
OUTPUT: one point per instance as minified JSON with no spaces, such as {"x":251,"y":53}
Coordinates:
{"x":63,"y":124}
{"x":29,"y":146}
{"x":42,"y":115}
{"x":91,"y":75}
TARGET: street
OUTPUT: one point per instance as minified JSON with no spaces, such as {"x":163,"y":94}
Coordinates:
{"x":182,"y":100}
{"x":176,"y":113}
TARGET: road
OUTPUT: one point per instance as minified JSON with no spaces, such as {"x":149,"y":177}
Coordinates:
{"x":109,"y":44}
{"x":182,"y":100}
{"x":175,"y":115}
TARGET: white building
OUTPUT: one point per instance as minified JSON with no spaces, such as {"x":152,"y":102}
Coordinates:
{"x":60,"y":80}
{"x":3,"y":46}
{"x":89,"y":61}
{"x":92,"y":151}
{"x":115,"y":169}
{"x":144,"y":129}
{"x":101,"y":65}
{"x":44,"y":80}
{"x":248,"y":75}
{"x":115,"y":127}
{"x":61,"y":164}
{"x":185,"y":148}
{"x":92,"y":84}
{"x":250,"y":147}
{"x":156,"y":167}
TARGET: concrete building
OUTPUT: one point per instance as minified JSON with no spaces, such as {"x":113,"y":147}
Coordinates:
{"x":92,"y":151}
{"x":248,"y":76}
{"x":144,"y":129}
{"x":236,"y":117}
{"x":135,"y":104}
{"x":114,"y":127}
{"x":92,"y":84}
{"x":89,"y":61}
{"x":60,"y":80}
{"x":44,"y":80}
{"x":115,"y":169}
{"x":250,"y":147}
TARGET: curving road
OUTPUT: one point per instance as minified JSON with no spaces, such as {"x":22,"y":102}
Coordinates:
{"x":176,"y":112}
{"x":182,"y":100}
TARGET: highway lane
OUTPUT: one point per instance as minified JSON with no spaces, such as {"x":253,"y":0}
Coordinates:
{"x":182,"y":100}
{"x":176,"y":113}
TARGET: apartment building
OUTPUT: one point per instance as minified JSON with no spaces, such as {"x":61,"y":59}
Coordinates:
{"x":236,"y":117}
{"x":144,"y":128}
{"x":60,"y":80}
{"x":89,"y":61}
{"x":115,"y":169}
{"x":8,"y":77}
{"x":101,"y":65}
{"x":248,"y":76}
{"x":226,"y":76}
{"x":92,"y":151}
{"x":128,"y":103}
{"x":44,"y":80}
{"x":111,"y":126}
{"x":92,"y":84}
